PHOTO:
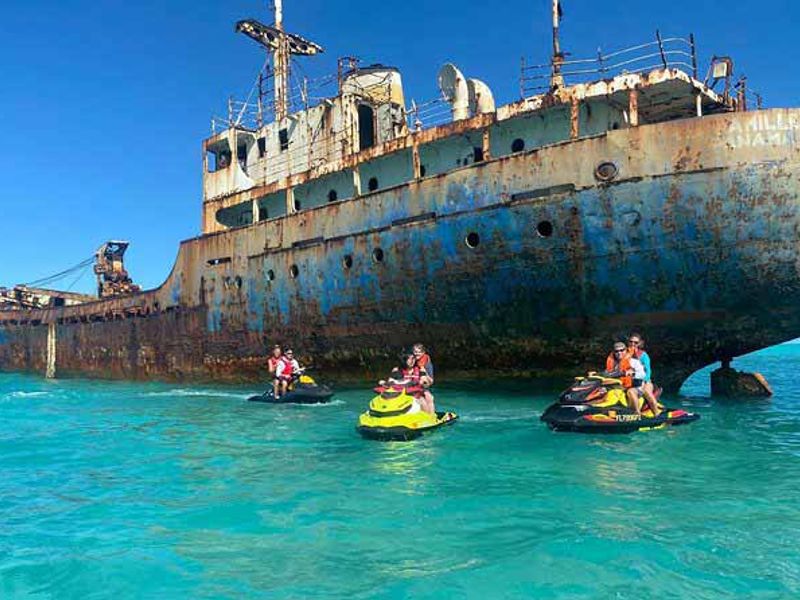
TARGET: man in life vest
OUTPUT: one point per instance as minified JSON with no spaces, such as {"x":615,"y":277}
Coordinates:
{"x":421,"y":360}
{"x":287,"y":369}
{"x":618,"y":365}
{"x":272,"y":366}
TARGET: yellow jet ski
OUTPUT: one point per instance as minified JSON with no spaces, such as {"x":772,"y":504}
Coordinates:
{"x":395,"y":414}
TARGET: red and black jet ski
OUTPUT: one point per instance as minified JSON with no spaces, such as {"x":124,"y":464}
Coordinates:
{"x":597,"y":404}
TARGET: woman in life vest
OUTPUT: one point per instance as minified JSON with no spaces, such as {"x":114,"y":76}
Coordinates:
{"x":423,"y":363}
{"x":272,"y":365}
{"x":288,"y":367}
{"x":636,"y":350}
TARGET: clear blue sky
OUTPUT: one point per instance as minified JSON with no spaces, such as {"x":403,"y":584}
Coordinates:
{"x":104,"y":103}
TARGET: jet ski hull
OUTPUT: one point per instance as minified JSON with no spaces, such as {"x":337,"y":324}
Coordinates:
{"x":317,"y":394}
{"x":582,"y":418}
{"x":402,"y":427}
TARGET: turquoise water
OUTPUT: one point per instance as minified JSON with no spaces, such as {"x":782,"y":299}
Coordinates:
{"x":163,"y":491}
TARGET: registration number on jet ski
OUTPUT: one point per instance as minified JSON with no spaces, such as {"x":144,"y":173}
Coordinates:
{"x":628,"y":418}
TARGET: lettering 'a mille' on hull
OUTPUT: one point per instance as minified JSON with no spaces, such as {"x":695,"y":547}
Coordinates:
{"x":529,"y":264}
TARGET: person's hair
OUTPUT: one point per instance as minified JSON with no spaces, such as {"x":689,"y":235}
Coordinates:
{"x":420,"y":346}
{"x":637,"y":335}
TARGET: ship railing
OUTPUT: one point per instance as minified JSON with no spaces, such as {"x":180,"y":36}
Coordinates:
{"x":662,"y":53}
{"x":314,"y":152}
{"x":428,"y":114}
{"x":258,"y":107}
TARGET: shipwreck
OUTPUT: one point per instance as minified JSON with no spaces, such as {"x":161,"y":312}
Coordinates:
{"x":629,"y":191}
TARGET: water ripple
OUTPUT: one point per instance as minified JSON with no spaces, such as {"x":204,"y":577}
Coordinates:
{"x":151,"y":490}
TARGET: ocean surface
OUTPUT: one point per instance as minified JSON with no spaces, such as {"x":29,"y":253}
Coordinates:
{"x":121,"y":490}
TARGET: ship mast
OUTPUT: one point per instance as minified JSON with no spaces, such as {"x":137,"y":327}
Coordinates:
{"x":282,"y":45}
{"x":557,"y":79}
{"x":281,"y":66}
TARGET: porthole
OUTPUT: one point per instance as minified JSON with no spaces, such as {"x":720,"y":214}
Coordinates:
{"x":518,"y":145}
{"x":270,"y":275}
{"x":347,"y":261}
{"x":377,"y":255}
{"x":294,"y":271}
{"x":544,"y":229}
{"x":372,"y":184}
{"x":606,"y":171}
{"x":472,"y":240}
{"x":422,"y":170}
{"x":297,"y":205}
{"x":333,"y":196}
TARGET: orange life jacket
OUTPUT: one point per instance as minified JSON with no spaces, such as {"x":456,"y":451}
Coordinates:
{"x":623,"y":366}
{"x":422,"y":363}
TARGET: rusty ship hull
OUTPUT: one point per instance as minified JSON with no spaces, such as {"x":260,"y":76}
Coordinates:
{"x":524,"y":264}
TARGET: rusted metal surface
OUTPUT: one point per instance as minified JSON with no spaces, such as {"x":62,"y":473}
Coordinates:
{"x":674,"y":94}
{"x":109,"y":267}
{"x":27,"y":297}
{"x":693,"y":241}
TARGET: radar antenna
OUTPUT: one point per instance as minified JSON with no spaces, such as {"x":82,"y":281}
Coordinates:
{"x":282,"y":45}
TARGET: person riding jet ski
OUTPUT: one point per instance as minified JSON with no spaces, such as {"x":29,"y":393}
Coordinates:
{"x":396,"y":413}
{"x":295,"y":386}
{"x":603,"y":403}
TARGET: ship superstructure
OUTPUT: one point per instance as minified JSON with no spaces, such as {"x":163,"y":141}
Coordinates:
{"x":520,"y":238}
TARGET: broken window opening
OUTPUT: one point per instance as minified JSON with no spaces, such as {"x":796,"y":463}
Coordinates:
{"x":218,"y":160}
{"x":283,"y":139}
{"x":241,"y":156}
{"x":366,"y":126}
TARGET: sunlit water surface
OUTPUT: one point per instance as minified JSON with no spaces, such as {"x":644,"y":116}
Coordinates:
{"x":127,"y":490}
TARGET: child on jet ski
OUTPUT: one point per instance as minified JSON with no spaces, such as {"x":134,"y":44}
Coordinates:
{"x":399,"y":377}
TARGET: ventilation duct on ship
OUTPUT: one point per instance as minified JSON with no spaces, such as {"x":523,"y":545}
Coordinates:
{"x":455,"y":90}
{"x":481,"y":99}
